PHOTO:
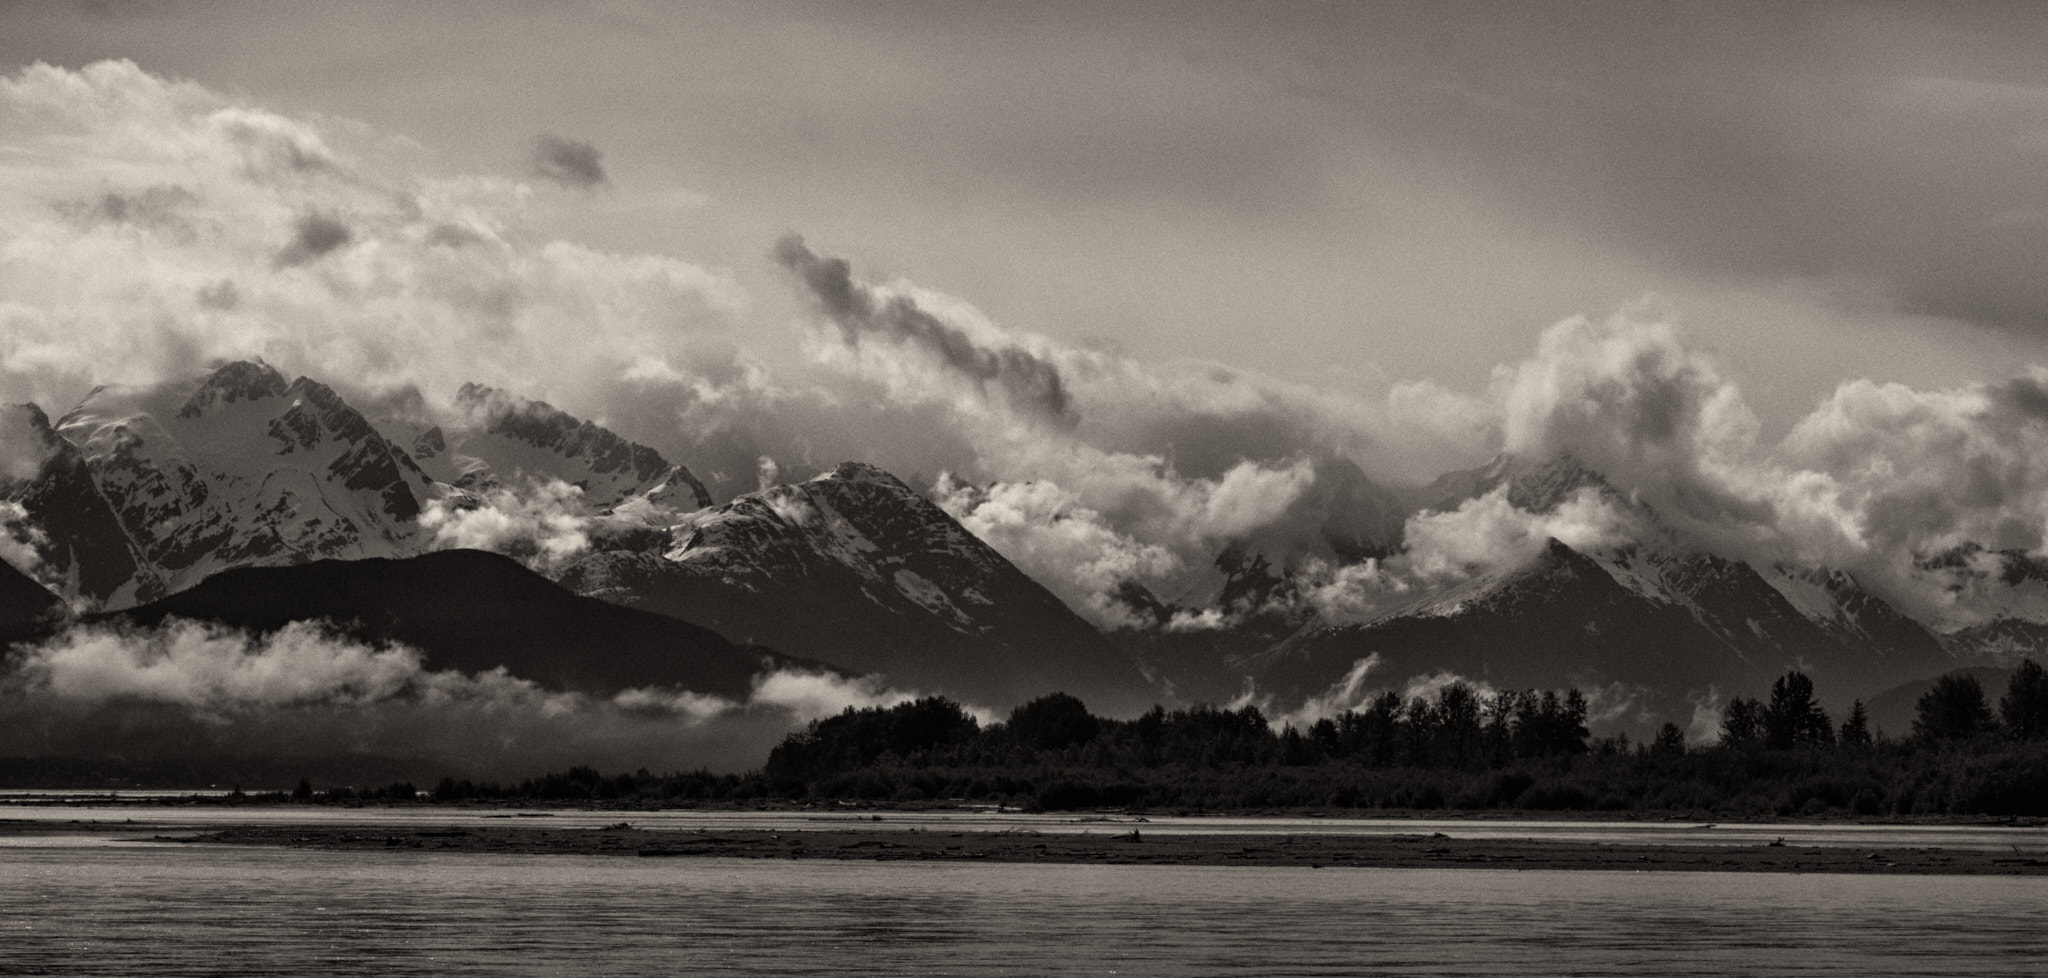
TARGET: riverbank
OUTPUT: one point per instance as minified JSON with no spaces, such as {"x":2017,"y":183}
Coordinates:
{"x":1132,"y":847}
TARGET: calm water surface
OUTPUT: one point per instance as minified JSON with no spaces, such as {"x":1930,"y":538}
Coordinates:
{"x":2032,"y":840}
{"x":67,"y":907}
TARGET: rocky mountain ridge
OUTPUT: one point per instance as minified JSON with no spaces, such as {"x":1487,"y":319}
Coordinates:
{"x":857,"y":568}
{"x":139,"y":492}
{"x":1657,"y":623}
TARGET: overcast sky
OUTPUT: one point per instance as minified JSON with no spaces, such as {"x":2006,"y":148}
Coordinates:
{"x":1121,"y":284}
{"x":1339,"y":194}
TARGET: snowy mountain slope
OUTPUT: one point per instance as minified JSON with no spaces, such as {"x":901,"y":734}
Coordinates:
{"x":1655,"y":620}
{"x":1817,"y":616}
{"x":498,"y":438}
{"x":1840,"y":606}
{"x":1997,"y":602}
{"x":83,"y":549}
{"x":857,"y":568}
{"x":247,"y":470}
{"x":1559,"y":618}
{"x":139,"y":491}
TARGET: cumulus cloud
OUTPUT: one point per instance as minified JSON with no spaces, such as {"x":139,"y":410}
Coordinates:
{"x":1156,"y":468}
{"x":150,"y":226}
{"x":1441,"y":549}
{"x":20,"y":539}
{"x":194,"y":665}
{"x":569,"y":162}
{"x":1489,"y":532}
{"x":543,"y":524}
{"x":1877,"y":479}
{"x":1932,"y":469}
{"x":153,"y":227}
{"x":1051,"y":536}
{"x":1630,"y":398}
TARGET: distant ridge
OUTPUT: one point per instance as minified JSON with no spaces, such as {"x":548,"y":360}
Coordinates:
{"x":473,"y":611}
{"x":25,"y":605}
{"x":856,"y":567}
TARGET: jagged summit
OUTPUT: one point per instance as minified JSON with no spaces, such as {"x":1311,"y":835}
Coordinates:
{"x":1996,"y":600}
{"x":864,"y":472}
{"x":534,"y":439}
{"x":244,"y":380}
{"x":81,"y":541}
{"x":140,"y":489}
{"x":248,"y":470}
{"x":855,"y":567}
{"x":1539,"y":485}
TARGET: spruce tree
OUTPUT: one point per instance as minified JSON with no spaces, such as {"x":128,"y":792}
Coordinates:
{"x":2024,"y":708}
{"x":1856,"y":729}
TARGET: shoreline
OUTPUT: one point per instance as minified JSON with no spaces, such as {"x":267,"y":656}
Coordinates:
{"x":86,"y":799}
{"x":1135,"y":847}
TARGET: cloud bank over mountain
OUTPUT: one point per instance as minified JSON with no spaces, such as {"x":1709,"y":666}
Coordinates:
{"x":303,"y":690}
{"x":151,"y":227}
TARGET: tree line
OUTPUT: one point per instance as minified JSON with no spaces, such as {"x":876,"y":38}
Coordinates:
{"x":1460,"y":748}
{"x":1955,"y":709}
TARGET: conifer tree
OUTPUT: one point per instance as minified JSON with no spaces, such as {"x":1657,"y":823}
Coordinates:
{"x":2024,"y":708}
{"x":1856,"y":729}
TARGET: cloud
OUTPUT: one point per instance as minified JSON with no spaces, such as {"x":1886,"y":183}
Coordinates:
{"x":1629,"y":397}
{"x":569,"y":162}
{"x":154,"y":208}
{"x":1028,"y":382}
{"x":543,"y":524}
{"x":1931,"y":469}
{"x":1875,"y":480}
{"x":1060,"y":543}
{"x":809,"y":696}
{"x":151,"y":227}
{"x":313,"y":235}
{"x":209,"y":669}
{"x":1705,"y":726}
{"x":186,"y":689}
{"x":1489,"y":532}
{"x":1348,"y":694}
{"x":20,"y":540}
{"x":326,"y":249}
{"x":1442,"y":549}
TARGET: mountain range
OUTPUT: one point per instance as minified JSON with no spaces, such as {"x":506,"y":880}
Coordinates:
{"x":863,"y":570}
{"x":471,"y":612}
{"x":239,"y":497}
{"x":247,"y":499}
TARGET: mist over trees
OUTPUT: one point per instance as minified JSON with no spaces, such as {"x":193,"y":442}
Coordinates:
{"x":1459,"y":749}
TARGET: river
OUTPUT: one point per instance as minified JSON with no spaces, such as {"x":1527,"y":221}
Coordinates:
{"x":80,"y":904}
